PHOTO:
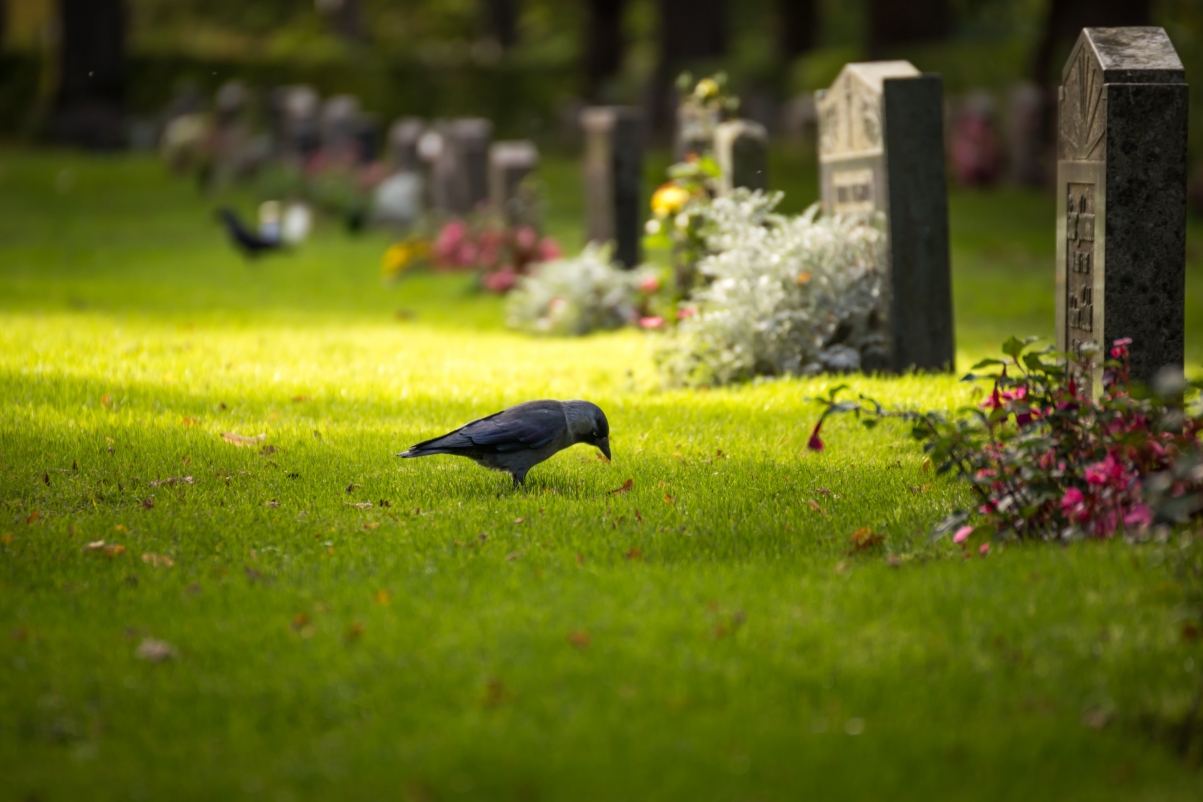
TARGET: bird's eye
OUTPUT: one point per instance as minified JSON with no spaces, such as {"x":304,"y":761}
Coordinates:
{"x":595,"y":432}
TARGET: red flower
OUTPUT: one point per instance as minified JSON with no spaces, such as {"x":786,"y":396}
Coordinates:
{"x":653,"y":322}
{"x":815,"y":443}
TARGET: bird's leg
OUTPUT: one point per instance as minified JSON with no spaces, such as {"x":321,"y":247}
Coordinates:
{"x":519,"y":479}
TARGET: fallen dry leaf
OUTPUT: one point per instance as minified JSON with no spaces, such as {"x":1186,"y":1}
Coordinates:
{"x":495,"y":693}
{"x":300,"y":399}
{"x":626,"y":487}
{"x":240,"y":440}
{"x":362,"y":505}
{"x":841,"y":567}
{"x":519,"y":520}
{"x":108,"y":549}
{"x":635,"y":553}
{"x":824,"y":491}
{"x":45,"y":478}
{"x":579,"y":638}
{"x":513,"y":555}
{"x":171,"y":480}
{"x":299,"y":621}
{"x":33,"y":516}
{"x":926,"y":465}
{"x":677,"y":455}
{"x":120,"y":528}
{"x":371,"y":525}
{"x":272,"y":503}
{"x":638,"y":516}
{"x":351,"y":488}
{"x":148,"y":503}
{"x":157,"y":560}
{"x":383,"y":597}
{"x":865,"y":538}
{"x":190,"y":422}
{"x":719,"y":454}
{"x":814,"y":505}
{"x":661,"y":484}
{"x":155,"y":651}
{"x":6,"y":539}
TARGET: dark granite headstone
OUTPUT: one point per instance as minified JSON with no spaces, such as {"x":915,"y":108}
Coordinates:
{"x":1121,"y":198}
{"x":466,"y":143}
{"x":741,"y":148}
{"x":509,"y":164}
{"x":881,"y":150}
{"x":614,"y":179}
{"x":403,"y":137}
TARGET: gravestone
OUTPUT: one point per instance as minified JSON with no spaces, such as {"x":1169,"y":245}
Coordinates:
{"x":881,"y":151}
{"x":614,"y":179}
{"x":1121,"y":198}
{"x":509,"y":164}
{"x":403,"y":137}
{"x":741,"y":148}
{"x":298,"y":110}
{"x":466,"y":145}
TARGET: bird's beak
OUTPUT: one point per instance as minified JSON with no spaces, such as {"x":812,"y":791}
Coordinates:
{"x":604,"y":445}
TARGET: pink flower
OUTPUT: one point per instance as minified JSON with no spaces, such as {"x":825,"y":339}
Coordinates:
{"x":984,"y":550}
{"x":549,"y":249}
{"x":652,"y":322}
{"x":1095,"y":474}
{"x":650,"y":284}
{"x":1121,"y":347}
{"x":1072,"y":498}
{"x":1140,"y":515}
{"x":502,"y":281}
{"x":449,"y":240}
{"x":962,"y":534}
{"x":686,"y":311}
{"x":526,"y":238}
{"x":815,"y":443}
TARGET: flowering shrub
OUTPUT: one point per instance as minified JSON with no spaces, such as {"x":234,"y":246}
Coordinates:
{"x":502,"y":254}
{"x":579,"y":295}
{"x":1047,"y":461}
{"x":785,"y":296}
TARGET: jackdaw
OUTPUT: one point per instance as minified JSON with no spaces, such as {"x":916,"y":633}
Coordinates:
{"x":519,"y":438}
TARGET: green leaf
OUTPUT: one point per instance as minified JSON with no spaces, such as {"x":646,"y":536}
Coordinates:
{"x":985,"y":363}
{"x":1013,"y":347}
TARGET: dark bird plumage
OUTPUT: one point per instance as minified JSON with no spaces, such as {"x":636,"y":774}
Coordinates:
{"x":519,"y":438}
{"x":247,"y":241}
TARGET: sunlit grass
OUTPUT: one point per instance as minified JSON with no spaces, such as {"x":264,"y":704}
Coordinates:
{"x":709,"y":634}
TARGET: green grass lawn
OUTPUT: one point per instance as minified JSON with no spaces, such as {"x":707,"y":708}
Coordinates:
{"x":707,"y":635}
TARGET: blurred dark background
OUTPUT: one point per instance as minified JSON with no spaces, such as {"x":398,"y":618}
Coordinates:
{"x":101,"y":73}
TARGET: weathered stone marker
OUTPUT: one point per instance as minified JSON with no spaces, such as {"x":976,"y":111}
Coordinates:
{"x":614,"y":179}
{"x":741,"y":148}
{"x":881,"y":149}
{"x":403,"y":137}
{"x":1121,"y":198}
{"x":509,"y":163}
{"x":465,"y":163}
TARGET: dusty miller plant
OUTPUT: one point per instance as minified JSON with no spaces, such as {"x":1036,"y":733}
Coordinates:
{"x":780,"y":296}
{"x":575,"y":296}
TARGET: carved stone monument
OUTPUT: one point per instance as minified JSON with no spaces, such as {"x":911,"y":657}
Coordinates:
{"x":403,"y":137}
{"x":614,"y":179}
{"x":1121,"y":198}
{"x":509,"y":164}
{"x":466,"y":151}
{"x":741,"y":148}
{"x":881,"y":151}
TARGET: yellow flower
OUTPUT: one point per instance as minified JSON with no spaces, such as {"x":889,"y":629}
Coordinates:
{"x":403,"y":255}
{"x":706,"y":88}
{"x":396,"y":258}
{"x":669,"y":199}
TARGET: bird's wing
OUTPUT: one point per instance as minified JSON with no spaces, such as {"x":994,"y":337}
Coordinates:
{"x":525,"y":426}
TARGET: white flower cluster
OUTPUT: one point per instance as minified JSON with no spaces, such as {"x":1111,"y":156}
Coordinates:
{"x":783,"y":296}
{"x":575,"y":296}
